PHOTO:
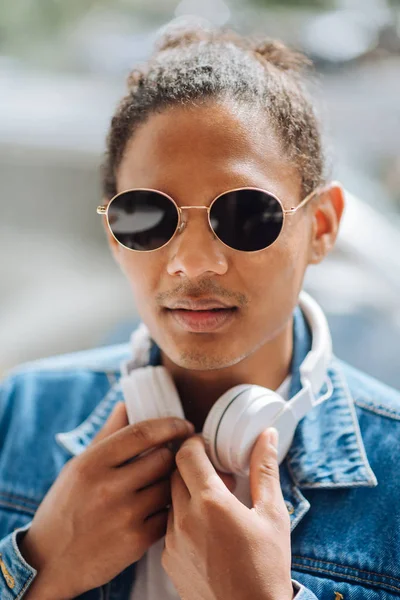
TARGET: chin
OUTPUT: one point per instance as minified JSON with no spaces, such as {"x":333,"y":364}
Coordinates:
{"x":194,"y":358}
{"x":201,"y":351}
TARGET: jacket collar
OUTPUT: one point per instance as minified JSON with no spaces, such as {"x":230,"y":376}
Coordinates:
{"x":327,"y":450}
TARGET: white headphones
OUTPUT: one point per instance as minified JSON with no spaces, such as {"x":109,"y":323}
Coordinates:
{"x":239,"y":416}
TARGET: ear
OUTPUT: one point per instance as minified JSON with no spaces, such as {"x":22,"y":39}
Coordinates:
{"x":327,"y":214}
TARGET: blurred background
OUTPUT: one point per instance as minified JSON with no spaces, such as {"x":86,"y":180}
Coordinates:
{"x":63,"y":67}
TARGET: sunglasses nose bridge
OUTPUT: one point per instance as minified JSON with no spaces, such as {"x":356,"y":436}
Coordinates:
{"x":184,"y":219}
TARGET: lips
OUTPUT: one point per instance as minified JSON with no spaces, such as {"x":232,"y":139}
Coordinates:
{"x":205,"y":304}
{"x":203,"y":321}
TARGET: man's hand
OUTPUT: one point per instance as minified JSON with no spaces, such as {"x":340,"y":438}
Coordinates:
{"x":103,"y":511}
{"x":217,"y":548}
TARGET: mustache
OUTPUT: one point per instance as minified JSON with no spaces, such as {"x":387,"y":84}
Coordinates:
{"x":202,"y":289}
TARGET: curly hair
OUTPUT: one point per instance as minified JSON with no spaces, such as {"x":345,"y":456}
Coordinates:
{"x":195,"y":63}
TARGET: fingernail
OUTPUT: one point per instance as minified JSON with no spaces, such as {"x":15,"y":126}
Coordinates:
{"x":273,"y":437}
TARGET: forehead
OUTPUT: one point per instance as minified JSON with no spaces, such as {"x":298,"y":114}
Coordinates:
{"x":209,"y":148}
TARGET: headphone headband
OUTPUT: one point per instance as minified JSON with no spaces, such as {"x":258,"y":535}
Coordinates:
{"x":314,"y":367}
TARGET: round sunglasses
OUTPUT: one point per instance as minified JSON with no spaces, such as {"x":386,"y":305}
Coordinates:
{"x":246,"y":219}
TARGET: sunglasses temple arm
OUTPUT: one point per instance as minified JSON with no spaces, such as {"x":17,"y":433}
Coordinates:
{"x":306,"y":199}
{"x":101,"y":210}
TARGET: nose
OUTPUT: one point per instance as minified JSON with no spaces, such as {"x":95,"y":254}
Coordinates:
{"x":195,"y":250}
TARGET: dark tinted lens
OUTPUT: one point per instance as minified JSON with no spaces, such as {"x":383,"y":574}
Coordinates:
{"x":247,"y":220}
{"x":142,"y":220}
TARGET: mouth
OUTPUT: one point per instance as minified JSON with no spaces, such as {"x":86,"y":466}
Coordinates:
{"x":203,"y":321}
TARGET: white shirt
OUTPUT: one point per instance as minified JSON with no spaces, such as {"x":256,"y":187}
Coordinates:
{"x":152,"y":582}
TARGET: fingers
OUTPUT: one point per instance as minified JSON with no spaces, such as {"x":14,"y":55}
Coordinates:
{"x":117,"y":419}
{"x":153,"y":498}
{"x":126,"y":443}
{"x":264,"y":472}
{"x":146,"y":469}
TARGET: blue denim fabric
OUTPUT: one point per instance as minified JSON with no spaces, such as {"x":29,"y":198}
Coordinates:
{"x":340,"y":479}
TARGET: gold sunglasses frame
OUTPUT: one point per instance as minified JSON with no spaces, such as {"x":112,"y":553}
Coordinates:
{"x":103,"y":210}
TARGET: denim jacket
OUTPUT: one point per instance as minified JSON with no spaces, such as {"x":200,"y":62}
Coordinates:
{"x":340,"y":479}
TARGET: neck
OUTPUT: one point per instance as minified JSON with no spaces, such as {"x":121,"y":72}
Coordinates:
{"x":198,"y":390}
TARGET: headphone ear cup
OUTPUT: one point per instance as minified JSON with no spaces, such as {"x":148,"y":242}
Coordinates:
{"x":236,"y":420}
{"x":212,"y":424}
{"x":150,"y":393}
{"x":286,"y":424}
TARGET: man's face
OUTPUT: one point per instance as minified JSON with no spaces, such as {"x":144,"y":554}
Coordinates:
{"x":194,"y":155}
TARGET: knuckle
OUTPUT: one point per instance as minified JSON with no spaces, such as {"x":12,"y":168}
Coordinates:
{"x":181,"y":522}
{"x":128,"y":517}
{"x":143,"y":432}
{"x":210,"y":501}
{"x":174,"y":426}
{"x":104,"y":493}
{"x":165,"y":456}
{"x":269,"y":470}
{"x":183,"y":454}
{"x":178,"y":428}
{"x":81,"y":467}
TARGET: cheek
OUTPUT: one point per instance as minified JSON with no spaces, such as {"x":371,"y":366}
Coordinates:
{"x":273,"y":281}
{"x":274,"y":270}
{"x":293,"y":249}
{"x":143,"y":273}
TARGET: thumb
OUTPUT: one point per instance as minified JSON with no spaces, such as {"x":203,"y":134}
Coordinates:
{"x":264,"y":472}
{"x":117,"y":419}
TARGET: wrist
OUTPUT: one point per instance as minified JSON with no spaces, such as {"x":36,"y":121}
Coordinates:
{"x":41,"y":589}
{"x":47,"y":585}
{"x":288,"y":593}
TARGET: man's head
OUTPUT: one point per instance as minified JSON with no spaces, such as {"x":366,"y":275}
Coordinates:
{"x":212,"y":112}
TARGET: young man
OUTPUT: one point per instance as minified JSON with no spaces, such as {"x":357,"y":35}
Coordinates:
{"x":213,"y":122}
